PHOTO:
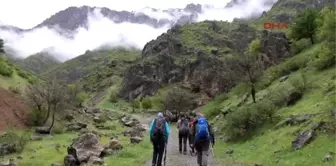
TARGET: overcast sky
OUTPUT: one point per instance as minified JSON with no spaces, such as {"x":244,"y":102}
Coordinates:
{"x":29,"y":13}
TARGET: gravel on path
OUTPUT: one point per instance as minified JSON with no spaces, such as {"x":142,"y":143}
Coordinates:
{"x":174,"y":158}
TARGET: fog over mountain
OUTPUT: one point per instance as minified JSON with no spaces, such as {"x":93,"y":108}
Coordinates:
{"x":70,"y":32}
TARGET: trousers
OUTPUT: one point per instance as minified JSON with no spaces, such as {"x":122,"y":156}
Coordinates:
{"x":202,"y":148}
{"x":183,"y":140}
{"x":158,"y":150}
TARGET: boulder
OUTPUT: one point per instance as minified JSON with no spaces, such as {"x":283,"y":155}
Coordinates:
{"x":135,"y":140}
{"x":11,"y":162}
{"x":85,"y":146}
{"x":302,"y":139}
{"x":283,"y":78}
{"x":96,"y":160}
{"x":70,"y":160}
{"x":295,"y":120}
{"x":69,"y":117}
{"x":7,"y":148}
{"x":76,"y":126}
{"x":114,"y":145}
{"x":42,"y":130}
{"x":328,"y":157}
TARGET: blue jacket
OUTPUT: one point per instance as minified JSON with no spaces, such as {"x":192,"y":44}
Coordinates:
{"x":151,"y":128}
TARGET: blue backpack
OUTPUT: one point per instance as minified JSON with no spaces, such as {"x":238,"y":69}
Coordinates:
{"x":202,"y":131}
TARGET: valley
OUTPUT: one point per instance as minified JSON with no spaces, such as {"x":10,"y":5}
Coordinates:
{"x":269,"y":94}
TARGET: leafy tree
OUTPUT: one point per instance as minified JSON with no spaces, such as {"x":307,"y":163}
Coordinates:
{"x":326,"y":22}
{"x":80,"y":98}
{"x":179,"y":100}
{"x":1,"y":46}
{"x":305,"y":25}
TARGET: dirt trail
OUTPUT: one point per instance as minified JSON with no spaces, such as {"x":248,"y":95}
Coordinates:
{"x":174,"y":158}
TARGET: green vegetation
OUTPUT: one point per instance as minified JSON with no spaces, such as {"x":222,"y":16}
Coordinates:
{"x":38,"y":63}
{"x":255,"y":131}
{"x":305,"y":25}
{"x":45,"y":152}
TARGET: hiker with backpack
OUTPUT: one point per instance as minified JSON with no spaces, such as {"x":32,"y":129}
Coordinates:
{"x":183,"y":133}
{"x":159,"y":134}
{"x":191,"y":136}
{"x":204,"y":137}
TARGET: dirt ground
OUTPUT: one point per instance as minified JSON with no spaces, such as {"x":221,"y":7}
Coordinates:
{"x":174,"y":158}
{"x":13,"y":112}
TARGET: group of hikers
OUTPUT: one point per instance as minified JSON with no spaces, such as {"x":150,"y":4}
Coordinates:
{"x":194,"y":129}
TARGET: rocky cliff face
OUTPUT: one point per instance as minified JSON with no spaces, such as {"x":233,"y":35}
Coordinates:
{"x":161,"y":63}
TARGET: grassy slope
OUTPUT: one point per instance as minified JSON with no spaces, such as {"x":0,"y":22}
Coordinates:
{"x":46,"y":153}
{"x":318,"y":99}
{"x":19,"y":78}
{"x":81,"y":66}
{"x":38,"y":63}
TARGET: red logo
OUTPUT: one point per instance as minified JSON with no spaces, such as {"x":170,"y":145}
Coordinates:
{"x":271,"y":25}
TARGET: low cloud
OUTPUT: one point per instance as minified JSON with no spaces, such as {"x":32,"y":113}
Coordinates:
{"x":102,"y":31}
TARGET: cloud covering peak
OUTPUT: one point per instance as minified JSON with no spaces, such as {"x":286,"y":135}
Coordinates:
{"x":103,"y":31}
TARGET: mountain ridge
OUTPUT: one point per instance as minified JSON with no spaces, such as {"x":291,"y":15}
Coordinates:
{"x":73,"y":17}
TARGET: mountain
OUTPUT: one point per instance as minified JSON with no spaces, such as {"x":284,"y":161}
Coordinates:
{"x":38,"y":63}
{"x":72,"y":18}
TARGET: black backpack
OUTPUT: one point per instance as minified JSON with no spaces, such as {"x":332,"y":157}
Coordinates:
{"x":184,"y":127}
{"x":159,"y":128}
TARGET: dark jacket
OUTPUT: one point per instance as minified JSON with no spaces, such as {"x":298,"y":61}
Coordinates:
{"x":212,"y":133}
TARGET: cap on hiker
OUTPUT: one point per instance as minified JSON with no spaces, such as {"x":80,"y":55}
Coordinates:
{"x":199,"y":115}
{"x":160,"y":114}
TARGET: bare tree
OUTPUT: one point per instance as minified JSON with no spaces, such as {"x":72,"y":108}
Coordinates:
{"x":249,"y":65}
{"x":50,"y":96}
{"x":56,"y":98}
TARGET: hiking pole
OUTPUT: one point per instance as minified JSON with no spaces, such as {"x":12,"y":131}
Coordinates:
{"x":165,"y":155}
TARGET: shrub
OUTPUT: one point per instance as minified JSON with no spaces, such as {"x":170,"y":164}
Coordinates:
{"x":300,"y":45}
{"x":5,"y":69}
{"x":245,"y":120}
{"x":36,"y":117}
{"x":16,"y":141}
{"x":58,"y":129}
{"x":278,"y":96}
{"x":326,"y":59}
{"x":14,"y":89}
{"x":113,"y":96}
{"x":300,"y":83}
{"x":81,"y":97}
{"x":146,"y":103}
{"x":211,"y":110}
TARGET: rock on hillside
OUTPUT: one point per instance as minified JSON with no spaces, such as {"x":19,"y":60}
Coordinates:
{"x":201,"y":68}
{"x":13,"y":112}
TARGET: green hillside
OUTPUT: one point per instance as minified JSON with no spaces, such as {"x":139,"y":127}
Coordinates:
{"x":12,"y":77}
{"x":38,"y":63}
{"x":295,"y":100}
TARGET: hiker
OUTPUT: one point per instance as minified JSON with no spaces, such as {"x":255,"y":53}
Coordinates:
{"x":191,"y":136}
{"x":204,"y":136}
{"x":183,"y":133}
{"x":159,"y":134}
